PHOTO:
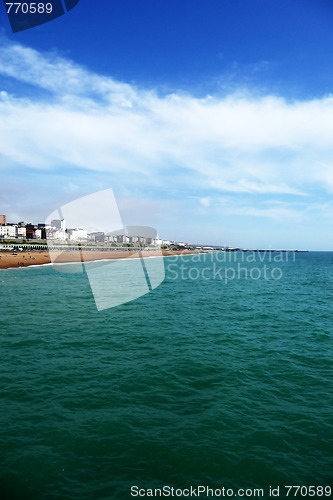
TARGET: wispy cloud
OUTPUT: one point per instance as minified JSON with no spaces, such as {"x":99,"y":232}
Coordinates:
{"x":280,"y":210}
{"x":80,"y":121}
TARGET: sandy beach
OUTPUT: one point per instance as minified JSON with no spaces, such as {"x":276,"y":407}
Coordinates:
{"x":35,"y":258}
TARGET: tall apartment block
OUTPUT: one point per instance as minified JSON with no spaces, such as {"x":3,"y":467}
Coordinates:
{"x":3,"y":219}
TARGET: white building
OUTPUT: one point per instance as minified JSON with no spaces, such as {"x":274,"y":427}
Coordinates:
{"x":8,"y":231}
{"x":21,"y":233}
{"x":122,"y":238}
{"x":110,"y":238}
{"x":77,"y":234}
{"x":53,"y":234}
{"x":98,"y":236}
{"x":158,"y":242}
{"x":134,"y":239}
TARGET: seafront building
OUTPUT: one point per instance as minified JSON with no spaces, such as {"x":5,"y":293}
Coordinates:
{"x":77,"y":235}
{"x":7,"y":231}
{"x":21,"y":233}
{"x":59,"y":224}
{"x":57,"y":232}
{"x":12,"y":231}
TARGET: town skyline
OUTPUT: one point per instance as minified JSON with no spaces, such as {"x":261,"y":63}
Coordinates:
{"x":57,"y":231}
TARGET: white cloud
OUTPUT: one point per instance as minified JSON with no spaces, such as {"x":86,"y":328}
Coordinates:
{"x":232,"y":143}
{"x":205,"y":201}
{"x":238,"y":144}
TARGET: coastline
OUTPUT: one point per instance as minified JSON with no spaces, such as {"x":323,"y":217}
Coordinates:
{"x":14,"y":260}
{"x":36,"y":258}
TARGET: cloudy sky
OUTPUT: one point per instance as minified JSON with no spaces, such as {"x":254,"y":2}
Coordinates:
{"x":212,"y":121}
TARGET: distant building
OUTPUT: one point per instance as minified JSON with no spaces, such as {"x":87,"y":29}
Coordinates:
{"x":12,"y":231}
{"x":77,"y":234}
{"x":44,"y":229}
{"x":59,"y":224}
{"x":8,"y":231}
{"x":30,"y":234}
{"x":99,"y":237}
{"x":134,"y":239}
{"x":3,"y":219}
{"x":122,"y":238}
{"x":21,"y":233}
{"x":110,"y":238}
{"x":54,"y":234}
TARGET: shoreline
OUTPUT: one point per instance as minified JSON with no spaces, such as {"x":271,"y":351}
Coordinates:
{"x":12,"y":259}
{"x":35,"y":258}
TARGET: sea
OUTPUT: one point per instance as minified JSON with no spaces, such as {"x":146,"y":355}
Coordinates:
{"x":217,"y":383}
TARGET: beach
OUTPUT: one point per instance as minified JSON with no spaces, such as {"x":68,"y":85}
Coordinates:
{"x":17,"y":259}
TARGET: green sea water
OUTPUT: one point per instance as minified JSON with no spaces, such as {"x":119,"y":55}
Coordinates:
{"x":203,"y":381}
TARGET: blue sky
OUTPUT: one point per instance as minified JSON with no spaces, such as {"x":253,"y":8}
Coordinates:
{"x":211,"y":120}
